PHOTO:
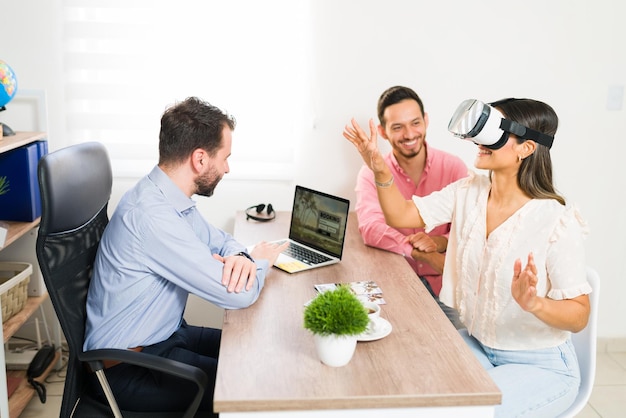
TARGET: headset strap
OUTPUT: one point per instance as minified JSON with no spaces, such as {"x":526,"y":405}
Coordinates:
{"x":526,"y":133}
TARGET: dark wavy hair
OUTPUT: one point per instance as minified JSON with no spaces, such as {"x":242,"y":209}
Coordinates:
{"x":394,"y":95}
{"x":189,"y":125}
{"x":535,"y":173}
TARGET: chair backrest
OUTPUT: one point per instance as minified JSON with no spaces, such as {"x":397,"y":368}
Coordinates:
{"x":75,"y":185}
{"x":585,"y":345}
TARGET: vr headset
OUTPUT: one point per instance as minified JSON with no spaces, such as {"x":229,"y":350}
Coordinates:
{"x":484,"y":125}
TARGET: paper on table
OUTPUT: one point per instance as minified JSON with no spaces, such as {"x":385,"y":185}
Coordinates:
{"x":364,"y":290}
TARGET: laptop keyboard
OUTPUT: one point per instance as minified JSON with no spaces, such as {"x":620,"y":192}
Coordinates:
{"x":305,"y":255}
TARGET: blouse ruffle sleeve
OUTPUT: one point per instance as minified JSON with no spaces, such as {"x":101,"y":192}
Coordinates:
{"x":438,"y":207}
{"x":568,"y":254}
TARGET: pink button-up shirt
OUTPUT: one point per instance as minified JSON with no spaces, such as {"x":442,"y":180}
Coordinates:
{"x":440,"y":170}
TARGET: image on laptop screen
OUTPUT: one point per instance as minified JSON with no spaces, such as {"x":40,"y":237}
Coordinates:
{"x":319,"y":220}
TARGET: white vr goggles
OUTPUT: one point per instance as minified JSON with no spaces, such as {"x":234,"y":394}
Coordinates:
{"x":485,"y":125}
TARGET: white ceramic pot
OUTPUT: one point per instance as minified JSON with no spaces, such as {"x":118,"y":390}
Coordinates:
{"x":335,"y":350}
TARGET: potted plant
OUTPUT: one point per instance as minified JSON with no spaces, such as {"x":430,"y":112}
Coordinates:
{"x":336,"y":317}
{"x":4,"y":185}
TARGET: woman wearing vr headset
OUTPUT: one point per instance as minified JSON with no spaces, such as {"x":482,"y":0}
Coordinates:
{"x":515,"y":266}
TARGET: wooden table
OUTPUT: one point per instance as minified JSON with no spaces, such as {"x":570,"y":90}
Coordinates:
{"x":268,"y":361}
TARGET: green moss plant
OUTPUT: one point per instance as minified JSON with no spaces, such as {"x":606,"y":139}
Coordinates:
{"x":336,"y":312}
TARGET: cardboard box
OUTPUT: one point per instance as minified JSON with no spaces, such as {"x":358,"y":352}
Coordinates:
{"x":21,"y":200}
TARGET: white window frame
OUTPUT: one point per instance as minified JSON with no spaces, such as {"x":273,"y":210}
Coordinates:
{"x":127,"y":60}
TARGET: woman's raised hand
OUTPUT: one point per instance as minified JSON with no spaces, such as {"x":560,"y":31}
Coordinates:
{"x":366,"y":145}
{"x":524,"y":284}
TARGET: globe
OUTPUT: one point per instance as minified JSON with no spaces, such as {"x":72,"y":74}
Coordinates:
{"x":8,"y":88}
{"x":8,"y":83}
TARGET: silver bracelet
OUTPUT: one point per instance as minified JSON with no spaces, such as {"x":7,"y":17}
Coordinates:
{"x":384,"y":185}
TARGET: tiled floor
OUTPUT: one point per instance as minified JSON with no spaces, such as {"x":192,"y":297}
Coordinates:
{"x":608,"y":399}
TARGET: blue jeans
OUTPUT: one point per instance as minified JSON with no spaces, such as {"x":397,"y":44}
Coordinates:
{"x":534,"y":383}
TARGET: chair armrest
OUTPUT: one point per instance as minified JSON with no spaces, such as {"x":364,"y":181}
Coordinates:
{"x":172,"y":367}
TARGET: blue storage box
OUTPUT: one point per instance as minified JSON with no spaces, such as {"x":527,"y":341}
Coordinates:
{"x":20,"y":199}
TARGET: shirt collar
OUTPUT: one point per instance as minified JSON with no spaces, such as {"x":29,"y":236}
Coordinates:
{"x":170,"y":190}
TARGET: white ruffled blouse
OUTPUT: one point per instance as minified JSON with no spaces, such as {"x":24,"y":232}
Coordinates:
{"x":478,"y":270}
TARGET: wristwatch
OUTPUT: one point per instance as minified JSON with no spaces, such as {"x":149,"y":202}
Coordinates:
{"x":244,"y":254}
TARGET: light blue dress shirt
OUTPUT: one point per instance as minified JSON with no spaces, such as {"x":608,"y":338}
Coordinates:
{"x":156,"y":250}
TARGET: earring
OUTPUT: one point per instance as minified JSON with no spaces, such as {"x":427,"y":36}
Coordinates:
{"x":519,"y":158}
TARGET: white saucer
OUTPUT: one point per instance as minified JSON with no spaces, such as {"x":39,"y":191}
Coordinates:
{"x":383,"y":328}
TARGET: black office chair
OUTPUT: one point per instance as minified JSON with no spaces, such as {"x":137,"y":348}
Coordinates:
{"x":75,"y":184}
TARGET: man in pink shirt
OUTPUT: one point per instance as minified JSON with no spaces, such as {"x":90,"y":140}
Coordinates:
{"x":417,"y":169}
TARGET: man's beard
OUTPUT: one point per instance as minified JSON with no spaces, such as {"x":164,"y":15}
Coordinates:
{"x":205,"y":185}
{"x":413,"y":152}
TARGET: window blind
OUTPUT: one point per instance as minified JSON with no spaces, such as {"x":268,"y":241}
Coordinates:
{"x":127,"y":60}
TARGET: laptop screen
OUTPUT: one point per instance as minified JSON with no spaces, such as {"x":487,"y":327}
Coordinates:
{"x":319,"y":220}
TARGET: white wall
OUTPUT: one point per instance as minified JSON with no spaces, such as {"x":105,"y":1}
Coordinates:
{"x":567,"y":53}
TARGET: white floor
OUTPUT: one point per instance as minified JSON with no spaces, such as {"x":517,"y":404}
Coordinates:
{"x":608,"y":399}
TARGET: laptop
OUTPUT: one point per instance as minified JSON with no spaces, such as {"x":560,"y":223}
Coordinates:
{"x":316,"y":233}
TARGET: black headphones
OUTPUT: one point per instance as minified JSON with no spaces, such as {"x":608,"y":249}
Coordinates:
{"x":269,"y":213}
